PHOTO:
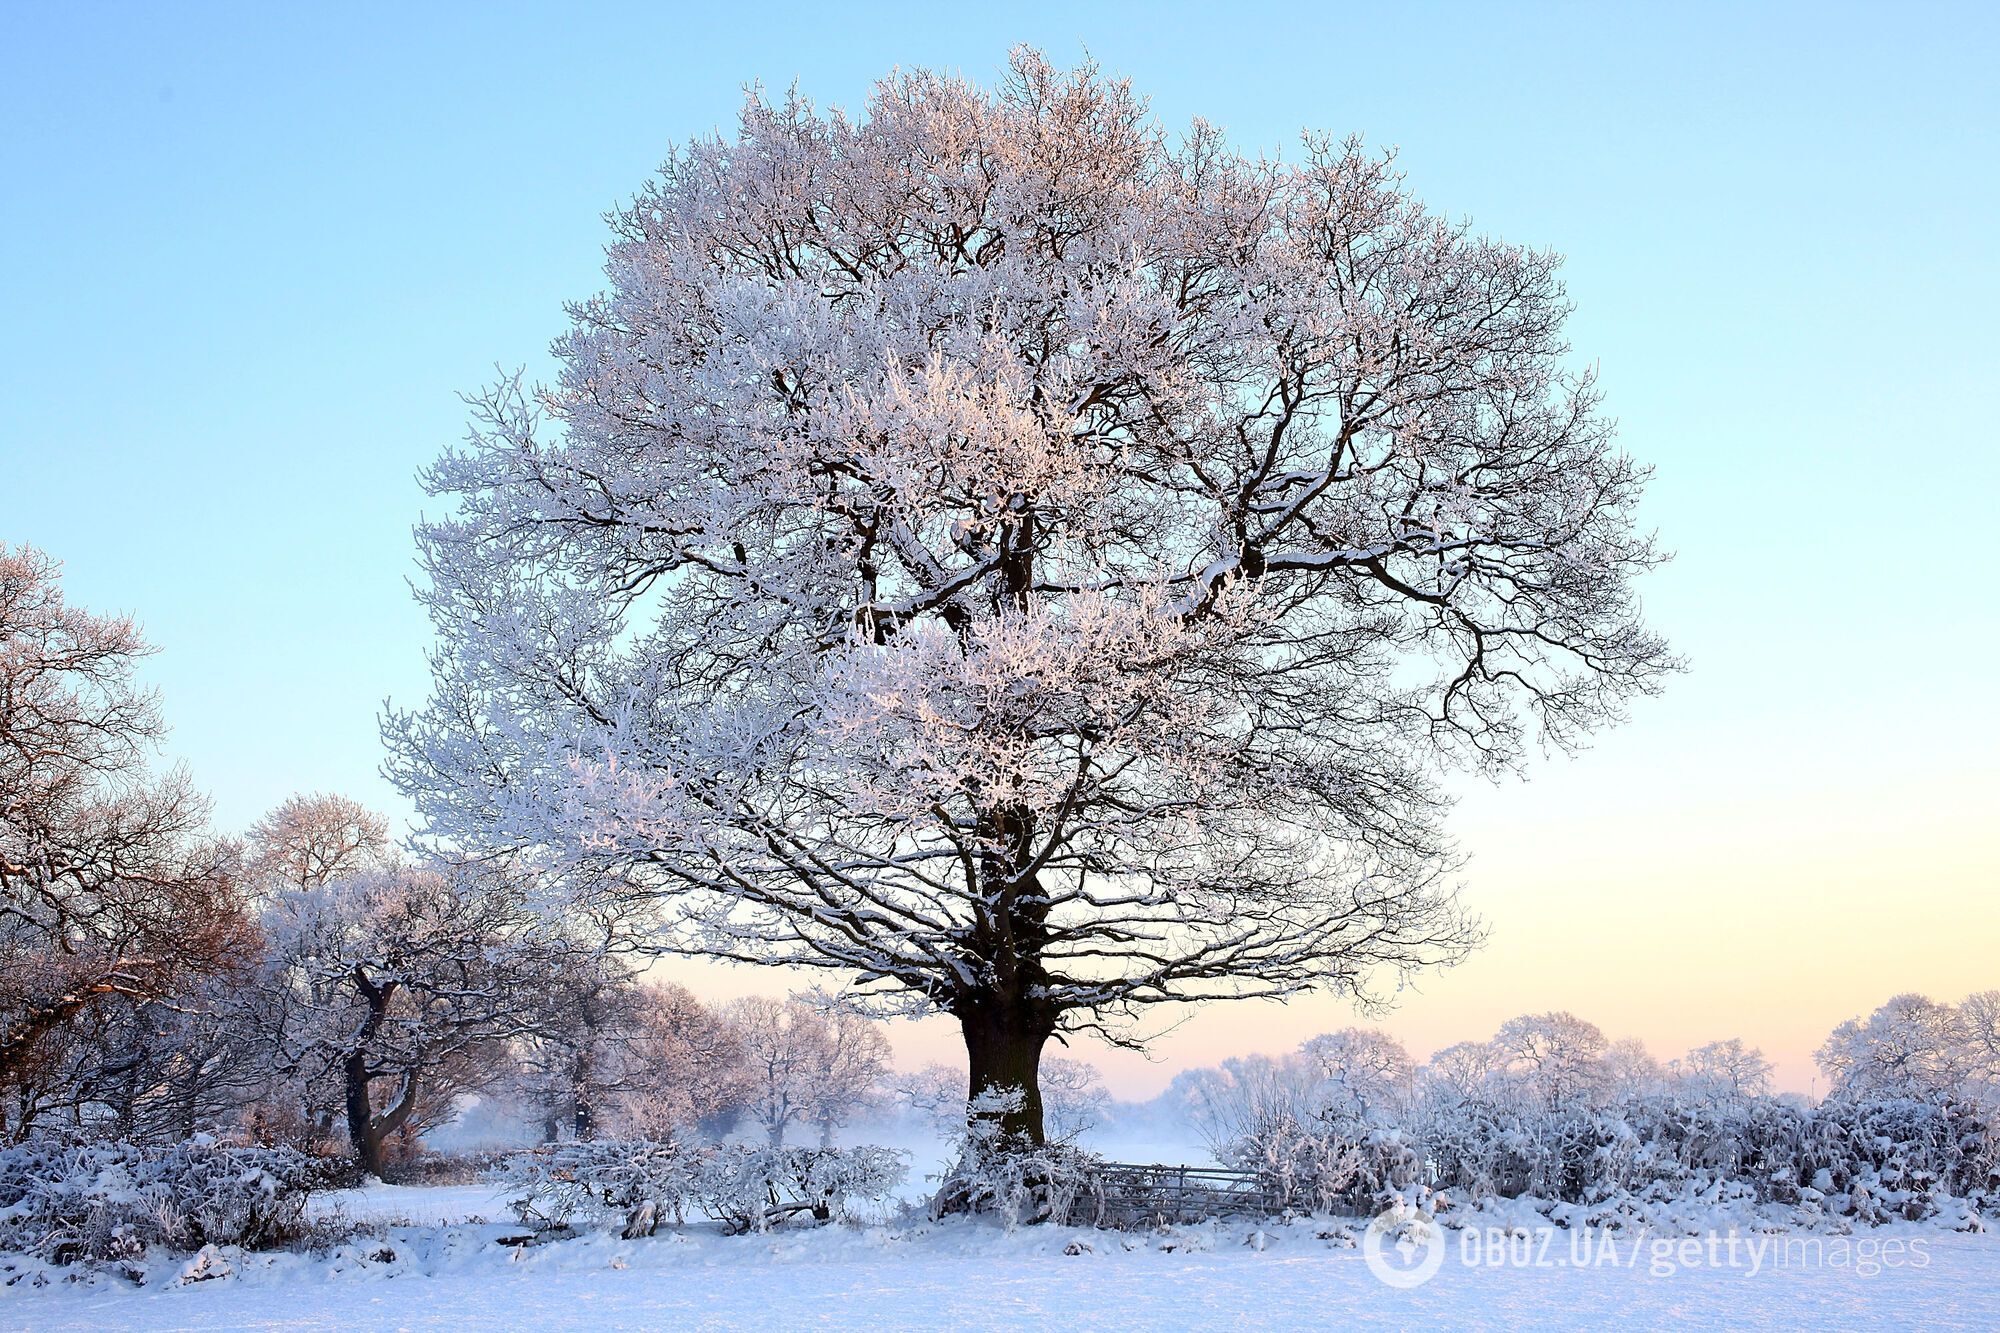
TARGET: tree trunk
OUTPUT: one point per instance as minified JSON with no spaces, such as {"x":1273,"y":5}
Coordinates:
{"x":364,"y":1131}
{"x":368,"y":1131}
{"x":1005,"y":1021}
{"x":190,"y":1106}
{"x":361,"y":1129}
{"x":582,"y":1070}
{"x":1003,"y":1044}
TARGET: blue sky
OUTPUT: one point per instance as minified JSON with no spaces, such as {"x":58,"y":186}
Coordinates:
{"x":249,"y":257}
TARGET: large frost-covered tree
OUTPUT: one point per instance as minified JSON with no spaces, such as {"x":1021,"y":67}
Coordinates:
{"x":1028,"y":561}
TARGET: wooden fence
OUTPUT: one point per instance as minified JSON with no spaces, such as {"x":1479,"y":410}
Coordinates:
{"x":1133,"y":1194}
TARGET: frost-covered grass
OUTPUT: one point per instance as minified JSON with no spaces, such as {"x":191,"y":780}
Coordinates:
{"x":451,"y":1273}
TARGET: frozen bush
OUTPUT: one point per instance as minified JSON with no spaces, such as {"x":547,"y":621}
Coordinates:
{"x":750,"y":1188}
{"x":636,"y":1180}
{"x":1328,"y":1165}
{"x":1647,"y":1159}
{"x":1023,"y":1183}
{"x":115,"y":1200}
{"x":640,"y":1184}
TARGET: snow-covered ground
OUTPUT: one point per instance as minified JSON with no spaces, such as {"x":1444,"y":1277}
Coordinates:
{"x":448,"y":1273}
{"x":418,"y":1205}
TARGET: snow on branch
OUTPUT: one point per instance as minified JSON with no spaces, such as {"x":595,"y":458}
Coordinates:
{"x":1029,"y":562}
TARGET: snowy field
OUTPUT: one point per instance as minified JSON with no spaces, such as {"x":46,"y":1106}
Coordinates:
{"x":442,"y":1271}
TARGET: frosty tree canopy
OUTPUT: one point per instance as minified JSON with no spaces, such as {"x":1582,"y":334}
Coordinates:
{"x":1027,"y":561}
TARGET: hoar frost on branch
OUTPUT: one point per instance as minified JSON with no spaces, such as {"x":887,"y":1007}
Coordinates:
{"x":1915,"y":1046}
{"x":1028,"y":562}
{"x":400,"y":987}
{"x":805,"y":1063}
{"x":113,"y":898}
{"x":1592,"y":1132}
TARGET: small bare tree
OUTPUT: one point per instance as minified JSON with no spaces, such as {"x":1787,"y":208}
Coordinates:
{"x":582,"y":1057}
{"x":1073,"y":1097}
{"x":935,"y":1096}
{"x":857,"y":1059}
{"x":685,"y":1068}
{"x":572,"y":1063}
{"x":784,"y":1043}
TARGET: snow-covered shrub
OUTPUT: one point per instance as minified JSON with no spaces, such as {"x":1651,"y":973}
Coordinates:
{"x":1901,"y":1157}
{"x":1643,"y":1159}
{"x":638,"y":1181}
{"x":1330,"y":1165}
{"x":1023,"y":1183}
{"x":750,"y":1188}
{"x":1323,"y":1129}
{"x":1018,"y":1180}
{"x":640,"y":1184}
{"x":1869,"y":1161}
{"x":114,"y":1200}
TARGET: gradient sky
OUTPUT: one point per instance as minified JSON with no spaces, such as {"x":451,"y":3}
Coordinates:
{"x":249,"y":257}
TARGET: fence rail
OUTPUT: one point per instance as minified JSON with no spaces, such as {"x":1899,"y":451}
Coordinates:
{"x":1155,"y":1193}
